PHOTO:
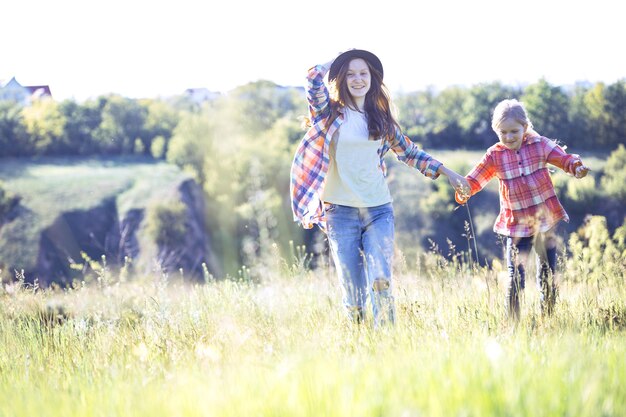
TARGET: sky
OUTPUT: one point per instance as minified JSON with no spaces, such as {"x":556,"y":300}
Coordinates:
{"x":158,"y":48}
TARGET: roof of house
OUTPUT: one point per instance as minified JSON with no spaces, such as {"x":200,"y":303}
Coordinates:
{"x":35,"y":91}
{"x":39,"y":90}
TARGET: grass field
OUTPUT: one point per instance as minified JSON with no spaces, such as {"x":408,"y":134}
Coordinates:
{"x":278,"y":344}
{"x":281,"y":347}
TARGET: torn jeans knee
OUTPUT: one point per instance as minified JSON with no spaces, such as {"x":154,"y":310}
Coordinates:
{"x":384,"y":309}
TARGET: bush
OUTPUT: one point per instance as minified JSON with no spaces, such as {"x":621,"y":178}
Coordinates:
{"x":166,"y":224}
{"x":8,"y":200}
{"x":158,"y":147}
{"x":614,"y":179}
{"x":595,"y":254}
{"x":582,"y":192}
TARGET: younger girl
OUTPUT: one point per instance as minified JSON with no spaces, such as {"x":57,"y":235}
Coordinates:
{"x":529,"y":207}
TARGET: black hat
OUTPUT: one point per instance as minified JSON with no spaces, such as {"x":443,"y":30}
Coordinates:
{"x":350,"y":55}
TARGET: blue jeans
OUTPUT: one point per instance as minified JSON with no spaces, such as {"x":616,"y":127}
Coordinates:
{"x":361,"y":241}
{"x":517,"y":252}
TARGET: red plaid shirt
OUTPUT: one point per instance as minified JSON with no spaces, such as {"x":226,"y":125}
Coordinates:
{"x":528,"y":203}
{"x":311,"y":161}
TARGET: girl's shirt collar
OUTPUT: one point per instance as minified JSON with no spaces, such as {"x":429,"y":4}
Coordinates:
{"x":528,"y":139}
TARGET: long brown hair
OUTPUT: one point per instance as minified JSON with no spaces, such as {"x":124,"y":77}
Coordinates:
{"x":381,"y":121}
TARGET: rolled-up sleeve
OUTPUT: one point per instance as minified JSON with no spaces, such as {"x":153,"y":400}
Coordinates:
{"x":557,"y":156}
{"x":317,"y":94}
{"x":408,"y":152}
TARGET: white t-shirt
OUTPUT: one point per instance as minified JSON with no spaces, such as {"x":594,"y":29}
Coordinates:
{"x":355,"y":177}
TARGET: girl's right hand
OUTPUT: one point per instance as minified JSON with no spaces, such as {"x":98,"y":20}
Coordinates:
{"x":329,"y":63}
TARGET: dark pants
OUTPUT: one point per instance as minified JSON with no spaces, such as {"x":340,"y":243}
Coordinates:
{"x":517,"y":252}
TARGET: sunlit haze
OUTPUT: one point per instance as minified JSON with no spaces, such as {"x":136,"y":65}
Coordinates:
{"x":84,"y":49}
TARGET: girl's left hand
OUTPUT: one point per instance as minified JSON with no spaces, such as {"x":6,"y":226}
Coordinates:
{"x":581,"y":171}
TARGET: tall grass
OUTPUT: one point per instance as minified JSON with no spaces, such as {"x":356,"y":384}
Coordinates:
{"x":279,"y":345}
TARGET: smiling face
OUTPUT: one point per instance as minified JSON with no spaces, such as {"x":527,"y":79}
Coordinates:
{"x":511,"y":133}
{"x":358,"y":79}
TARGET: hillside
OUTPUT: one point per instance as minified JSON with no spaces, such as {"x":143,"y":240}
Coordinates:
{"x":94,"y":206}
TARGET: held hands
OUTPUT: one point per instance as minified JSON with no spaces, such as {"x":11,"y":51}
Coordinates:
{"x":462,"y":192}
{"x":459,"y":183}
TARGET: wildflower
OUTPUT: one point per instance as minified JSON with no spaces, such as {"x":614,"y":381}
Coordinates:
{"x":208,"y":353}
{"x":141,"y":351}
{"x":493,"y":350}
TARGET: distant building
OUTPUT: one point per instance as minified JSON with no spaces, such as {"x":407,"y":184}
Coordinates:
{"x":200,"y":95}
{"x":23,"y":94}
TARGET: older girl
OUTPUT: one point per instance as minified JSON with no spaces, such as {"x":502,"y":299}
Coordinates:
{"x":338,"y":176}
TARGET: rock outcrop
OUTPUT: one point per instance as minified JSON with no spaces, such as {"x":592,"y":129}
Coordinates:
{"x":75,"y":226}
{"x":101,"y":234}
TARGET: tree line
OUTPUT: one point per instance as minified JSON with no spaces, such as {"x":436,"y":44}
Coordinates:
{"x":584,"y":116}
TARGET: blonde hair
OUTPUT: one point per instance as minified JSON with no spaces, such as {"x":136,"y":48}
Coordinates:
{"x":511,"y":109}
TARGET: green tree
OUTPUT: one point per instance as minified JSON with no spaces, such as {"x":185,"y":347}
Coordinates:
{"x":191,"y":142}
{"x":157,"y":148}
{"x":614,"y":179}
{"x":160,"y":122}
{"x":477,"y":111}
{"x":414,"y":115}
{"x":45,"y":124}
{"x":447,"y":113}
{"x":13,"y":136}
{"x":579,"y":128}
{"x":81,"y":120}
{"x":255,"y":107}
{"x":607,"y":114}
{"x":548,"y":109}
{"x":615,"y":109}
{"x":122,"y":122}
{"x":596,"y":103}
{"x":266,"y":183}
